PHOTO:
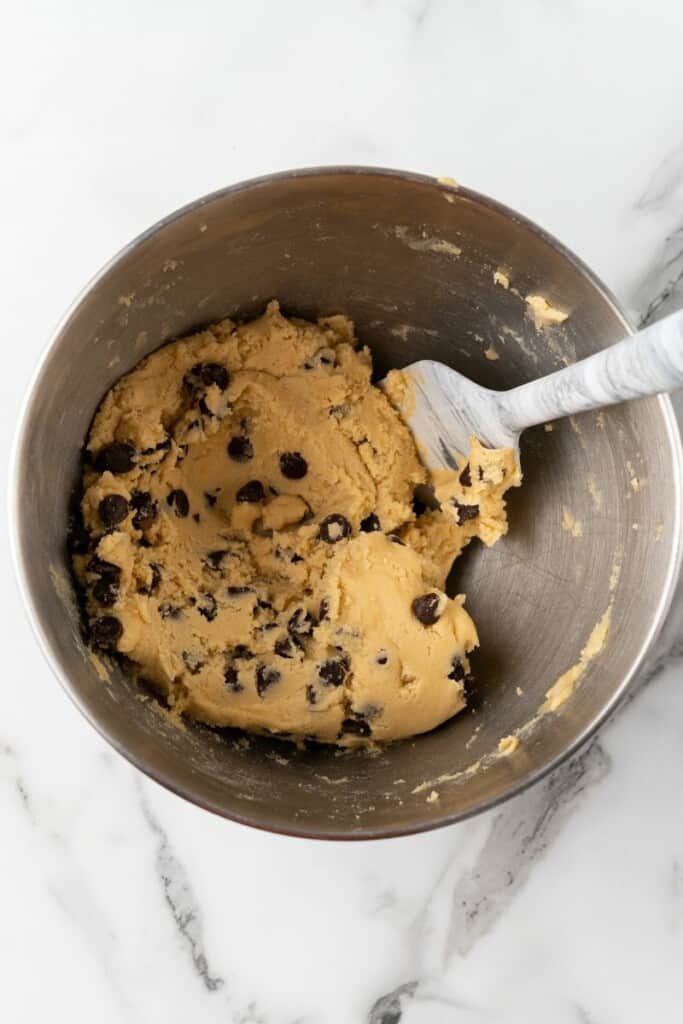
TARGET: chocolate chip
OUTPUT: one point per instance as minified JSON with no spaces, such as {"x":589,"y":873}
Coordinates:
{"x":79,"y":539}
{"x":264,"y":605}
{"x":214,"y":373}
{"x":334,"y":528}
{"x":207,"y":606}
{"x":194,"y":663}
{"x":105,"y":591}
{"x":311,"y":694}
{"x":238,"y":591}
{"x":419,"y":507}
{"x":168,"y":610}
{"x":370,"y":524}
{"x":296,"y":558}
{"x":465,"y":512}
{"x":215,"y":558}
{"x":156,"y":576}
{"x":369,"y":712}
{"x":472,"y":695}
{"x":466,"y":476}
{"x":105,"y":631}
{"x":395,"y":539}
{"x":293,"y":465}
{"x":179,"y":502}
{"x":334,"y":671}
{"x":338,"y":411}
{"x":140,"y":499}
{"x":251,"y":492}
{"x":231,"y":678}
{"x":266,"y":676}
{"x":117,"y":457}
{"x":210,"y":498}
{"x":382,"y":658}
{"x":284,"y":646}
{"x":163,"y":446}
{"x":426,"y":609}
{"x":240,"y":449}
{"x":145,"y":509}
{"x":112,"y":510}
{"x":203,"y":375}
{"x":241,"y":651}
{"x":355,"y":727}
{"x":457,"y":672}
{"x":324,"y":610}
{"x":300,"y":625}
{"x":100,"y":567}
{"x":153,"y":585}
{"x":191,"y":381}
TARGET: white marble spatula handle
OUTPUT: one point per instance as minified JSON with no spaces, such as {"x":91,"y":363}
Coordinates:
{"x":645,"y":364}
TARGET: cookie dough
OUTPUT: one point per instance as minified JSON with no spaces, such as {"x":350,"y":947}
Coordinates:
{"x":543,"y":314}
{"x":250,"y":541}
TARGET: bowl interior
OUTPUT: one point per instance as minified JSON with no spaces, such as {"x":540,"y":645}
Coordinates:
{"x":412,"y":263}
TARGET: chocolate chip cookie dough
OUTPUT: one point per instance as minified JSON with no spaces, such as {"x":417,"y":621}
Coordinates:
{"x":250,"y":544}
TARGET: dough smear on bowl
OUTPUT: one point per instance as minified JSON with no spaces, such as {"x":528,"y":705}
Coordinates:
{"x":250,"y":543}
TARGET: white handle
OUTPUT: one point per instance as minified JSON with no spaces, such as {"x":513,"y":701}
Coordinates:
{"x":647,"y":363}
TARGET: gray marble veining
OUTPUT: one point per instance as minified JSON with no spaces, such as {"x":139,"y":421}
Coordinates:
{"x":181,"y":901}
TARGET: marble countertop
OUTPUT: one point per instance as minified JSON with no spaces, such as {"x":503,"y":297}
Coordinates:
{"x":120,"y":902}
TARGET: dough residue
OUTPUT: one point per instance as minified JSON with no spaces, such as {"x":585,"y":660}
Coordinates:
{"x":452,"y":184}
{"x":501,"y":278}
{"x":399,"y":388}
{"x":570,"y":524}
{"x":250,"y":543}
{"x":634,"y":482}
{"x":544,"y":315}
{"x":508,"y":744}
{"x":615,"y":576}
{"x":100,"y":666}
{"x":594,"y":492}
{"x":427,"y":243}
{"x":565,"y":685}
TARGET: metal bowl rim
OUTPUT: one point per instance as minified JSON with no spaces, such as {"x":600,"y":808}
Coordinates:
{"x":187,"y":792}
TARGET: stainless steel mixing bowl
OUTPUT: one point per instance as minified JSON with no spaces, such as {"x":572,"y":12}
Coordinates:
{"x":382,"y":247}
